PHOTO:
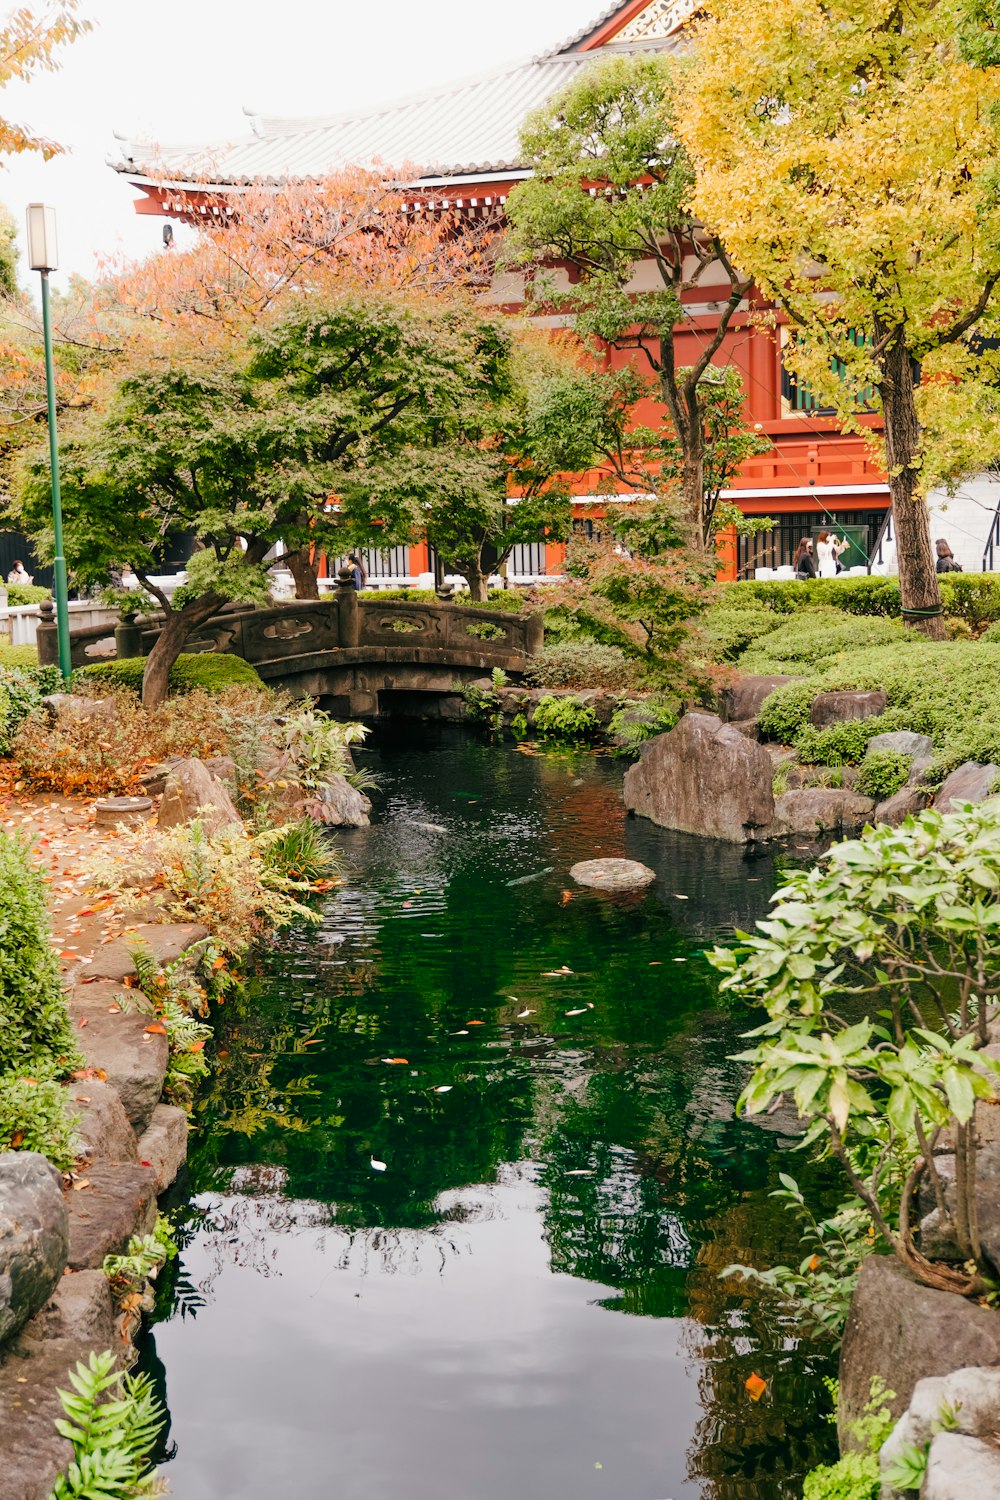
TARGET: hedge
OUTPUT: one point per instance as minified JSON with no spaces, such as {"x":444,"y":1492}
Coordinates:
{"x":973,"y":597}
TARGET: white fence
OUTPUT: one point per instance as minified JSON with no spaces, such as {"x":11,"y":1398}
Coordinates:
{"x":19,"y":624}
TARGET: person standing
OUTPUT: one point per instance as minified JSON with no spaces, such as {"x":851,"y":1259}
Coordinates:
{"x":18,"y":573}
{"x":946,"y":558}
{"x":803,"y":562}
{"x":358,"y":569}
{"x":828,"y":550}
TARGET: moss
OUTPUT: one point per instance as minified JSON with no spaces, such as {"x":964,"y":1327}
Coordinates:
{"x":210,"y":671}
{"x":18,"y":656}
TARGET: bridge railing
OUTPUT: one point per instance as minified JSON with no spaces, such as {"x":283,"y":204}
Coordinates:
{"x":300,"y":631}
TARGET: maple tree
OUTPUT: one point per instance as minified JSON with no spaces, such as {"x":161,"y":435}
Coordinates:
{"x":31,"y":40}
{"x":611,"y":189}
{"x":845,"y":151}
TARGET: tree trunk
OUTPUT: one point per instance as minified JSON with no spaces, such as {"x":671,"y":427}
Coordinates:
{"x":478,"y":585}
{"x":918,"y":581}
{"x":177,"y":630}
{"x":303,"y":570}
{"x":684,"y":406}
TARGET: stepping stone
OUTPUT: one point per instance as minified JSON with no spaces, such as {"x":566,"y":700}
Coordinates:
{"x":163,"y":1146}
{"x":166,"y":941}
{"x":133,"y":1059}
{"x":612,"y":874}
{"x":119,"y":1202}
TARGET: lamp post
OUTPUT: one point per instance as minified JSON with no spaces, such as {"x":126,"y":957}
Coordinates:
{"x":43,"y":257}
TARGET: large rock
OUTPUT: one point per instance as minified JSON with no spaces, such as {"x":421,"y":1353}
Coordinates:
{"x":902,"y":1332}
{"x":34,"y":1237}
{"x":961,"y":1468}
{"x":839,"y":708}
{"x":343,"y":805}
{"x":103,"y":1131}
{"x":906,"y":803}
{"x":970,"y":783}
{"x":78,"y":1318}
{"x":744,"y":698}
{"x":935,"y":1231}
{"x":612,"y":874}
{"x":191,"y":791}
{"x":118,"y":1201}
{"x":706,"y":778}
{"x":163,"y":941}
{"x":919,"y":747}
{"x":816,"y":810}
{"x":132,"y":1058}
{"x":163,"y":1145}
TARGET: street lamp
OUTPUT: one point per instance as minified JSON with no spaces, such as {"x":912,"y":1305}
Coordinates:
{"x":43,"y":256}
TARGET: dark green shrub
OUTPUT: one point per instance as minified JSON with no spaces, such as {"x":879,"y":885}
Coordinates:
{"x":729,"y":631}
{"x":565,"y":719}
{"x":35,"y":1032}
{"x":973,"y":597}
{"x":883,"y":774}
{"x":18,"y":656}
{"x":209,"y":670}
{"x":25,"y":593}
{"x":21,"y":691}
{"x":841,"y":744}
{"x":581,"y":663}
{"x":386,"y":596}
{"x":34,"y":1117}
{"x":784,"y":711}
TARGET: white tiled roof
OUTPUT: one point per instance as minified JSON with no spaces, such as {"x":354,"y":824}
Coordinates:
{"x":461,"y":130}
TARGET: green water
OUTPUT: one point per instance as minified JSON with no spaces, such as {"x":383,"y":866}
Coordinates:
{"x":525,"y":1302}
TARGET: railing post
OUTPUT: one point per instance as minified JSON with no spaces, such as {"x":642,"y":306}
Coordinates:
{"x":348,"y":621}
{"x":47,"y":637}
{"x":534,"y":634}
{"x":128,"y":639}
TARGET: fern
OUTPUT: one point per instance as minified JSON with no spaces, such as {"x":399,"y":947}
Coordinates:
{"x":113,"y":1422}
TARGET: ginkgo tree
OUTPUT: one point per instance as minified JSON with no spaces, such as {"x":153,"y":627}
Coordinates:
{"x":31,"y":40}
{"x":844,"y":150}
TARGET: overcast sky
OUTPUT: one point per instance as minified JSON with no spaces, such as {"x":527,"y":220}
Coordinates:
{"x":183,"y":70}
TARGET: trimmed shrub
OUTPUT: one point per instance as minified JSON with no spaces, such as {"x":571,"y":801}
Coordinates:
{"x":209,"y":670}
{"x":34,"y":1117}
{"x":18,"y":656}
{"x":581,"y":663}
{"x":818,"y":637}
{"x":883,"y":774}
{"x":784,"y":711}
{"x":973,"y":597}
{"x":730,"y":630}
{"x":25,"y":593}
{"x":841,"y":744}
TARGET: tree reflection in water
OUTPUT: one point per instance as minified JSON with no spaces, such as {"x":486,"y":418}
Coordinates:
{"x":620,"y":1120}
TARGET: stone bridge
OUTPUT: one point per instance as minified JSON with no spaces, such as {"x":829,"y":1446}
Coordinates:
{"x":363,"y":656}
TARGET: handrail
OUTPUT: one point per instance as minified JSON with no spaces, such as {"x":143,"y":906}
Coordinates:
{"x":992,"y":542}
{"x":885,"y":536}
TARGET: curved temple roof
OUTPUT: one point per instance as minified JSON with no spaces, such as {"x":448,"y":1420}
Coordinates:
{"x":467,"y":129}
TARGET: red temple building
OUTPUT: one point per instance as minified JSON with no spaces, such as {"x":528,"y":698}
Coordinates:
{"x":465,"y":139}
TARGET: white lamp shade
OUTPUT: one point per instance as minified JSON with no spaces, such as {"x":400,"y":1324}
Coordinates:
{"x":43,"y":252}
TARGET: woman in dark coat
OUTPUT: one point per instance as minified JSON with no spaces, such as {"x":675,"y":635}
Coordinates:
{"x":803,"y":562}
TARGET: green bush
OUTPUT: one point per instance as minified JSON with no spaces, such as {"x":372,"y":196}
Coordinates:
{"x":565,"y":719}
{"x":841,"y":744}
{"x":34,"y":1117}
{"x":17,"y":656}
{"x":581,"y":663}
{"x":35,"y":1035}
{"x":209,"y":670}
{"x":819,"y":637}
{"x":21,"y":691}
{"x":973,"y":597}
{"x":883,"y":774}
{"x":730,"y":629}
{"x":25,"y":593}
{"x":785,"y":711}
{"x":853,"y":1477}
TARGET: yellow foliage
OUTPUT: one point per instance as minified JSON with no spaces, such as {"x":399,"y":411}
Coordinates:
{"x":29,"y":43}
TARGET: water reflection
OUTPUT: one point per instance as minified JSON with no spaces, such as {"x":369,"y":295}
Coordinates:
{"x":526,"y":1299}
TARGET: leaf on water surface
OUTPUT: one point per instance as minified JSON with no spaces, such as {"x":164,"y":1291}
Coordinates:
{"x":377,"y":1166}
{"x":581,"y":1172}
{"x":567,"y":897}
{"x":475,"y":1023}
{"x":755,"y":1386}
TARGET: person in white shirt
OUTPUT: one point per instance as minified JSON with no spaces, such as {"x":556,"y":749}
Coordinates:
{"x":17,"y":573}
{"x":828,"y":549}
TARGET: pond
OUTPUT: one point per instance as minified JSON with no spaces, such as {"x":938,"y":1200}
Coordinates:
{"x":468,"y":1168}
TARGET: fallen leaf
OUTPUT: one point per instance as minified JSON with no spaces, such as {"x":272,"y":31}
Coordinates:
{"x":16,"y":1139}
{"x":81,"y":1183}
{"x":82,"y":1022}
{"x":155,"y":1028}
{"x":755,"y":1386}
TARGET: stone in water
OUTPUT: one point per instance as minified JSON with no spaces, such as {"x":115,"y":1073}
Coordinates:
{"x":612,"y":874}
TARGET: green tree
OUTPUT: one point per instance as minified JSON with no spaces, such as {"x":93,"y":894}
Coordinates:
{"x":845,"y":152}
{"x":610,"y":190}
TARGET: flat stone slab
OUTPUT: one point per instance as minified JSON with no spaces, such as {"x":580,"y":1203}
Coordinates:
{"x":133,"y":1059}
{"x":118,"y":1202}
{"x":77,"y":1319}
{"x":163,"y":1146}
{"x":104,"y":1132}
{"x":821,"y":810}
{"x":971,"y":782}
{"x":166,"y":941}
{"x":612,"y":874}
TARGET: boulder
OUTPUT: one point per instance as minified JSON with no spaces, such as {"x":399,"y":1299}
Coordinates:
{"x":744,"y":698}
{"x":839,"y":708}
{"x":818,"y":809}
{"x":919,"y":747}
{"x":223,"y":768}
{"x":103,"y":1130}
{"x":133,"y":1060}
{"x":155,"y":779}
{"x":612,"y":874}
{"x":34,"y":1237}
{"x":163,"y":1144}
{"x":191,"y":791}
{"x":703,"y":777}
{"x":960,"y":1468}
{"x":343,"y":805}
{"x":113,"y":1201}
{"x":905,"y":803}
{"x":935,"y":1234}
{"x":77,"y":1319}
{"x":74,"y":706}
{"x":903,"y":1332}
{"x":970,"y":783}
